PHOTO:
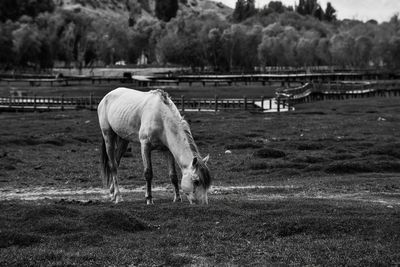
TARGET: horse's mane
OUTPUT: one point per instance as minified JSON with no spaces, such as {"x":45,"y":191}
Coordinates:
{"x":188,"y":133}
{"x":201,"y":167}
{"x":163,"y":95}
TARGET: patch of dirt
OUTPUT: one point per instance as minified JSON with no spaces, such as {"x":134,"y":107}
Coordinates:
{"x":247,"y":192}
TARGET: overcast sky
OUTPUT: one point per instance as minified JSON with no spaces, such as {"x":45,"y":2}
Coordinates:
{"x":380,"y":10}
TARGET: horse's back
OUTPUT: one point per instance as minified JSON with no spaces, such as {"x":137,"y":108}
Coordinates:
{"x":120,"y":94}
{"x":126,"y":111}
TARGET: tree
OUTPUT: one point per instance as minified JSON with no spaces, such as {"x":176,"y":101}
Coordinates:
{"x":310,"y":6}
{"x":305,"y":51}
{"x":14,"y":9}
{"x":239,"y":11}
{"x":363,"y":49}
{"x":270,"y":50}
{"x":244,"y":9}
{"x":322,"y":52}
{"x":330,"y":13}
{"x":27,"y":45}
{"x":7,"y":55}
{"x":342,"y":49}
{"x":391,"y":56}
{"x":182,"y":43}
{"x":301,"y":7}
{"x":276,"y":6}
{"x":166,"y":9}
{"x":319,"y":13}
{"x":215,"y":48}
{"x":250,"y":8}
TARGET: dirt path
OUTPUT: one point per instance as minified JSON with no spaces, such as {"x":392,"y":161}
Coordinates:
{"x":253,"y":193}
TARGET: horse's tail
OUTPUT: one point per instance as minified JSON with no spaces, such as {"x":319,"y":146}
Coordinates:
{"x":104,"y":165}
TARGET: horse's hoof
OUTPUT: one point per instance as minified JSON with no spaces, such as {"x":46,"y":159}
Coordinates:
{"x":177,"y":199}
{"x":118,"y":199}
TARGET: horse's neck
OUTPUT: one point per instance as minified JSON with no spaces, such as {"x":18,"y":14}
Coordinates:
{"x":179,"y":146}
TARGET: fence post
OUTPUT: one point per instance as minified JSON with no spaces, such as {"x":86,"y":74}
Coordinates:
{"x":216,"y":103}
{"x":245,"y":102}
{"x":262,"y":103}
{"x":278,"y":100}
{"x":34,"y":102}
{"x":91,"y":101}
{"x":182,"y":103}
{"x":62,"y":102}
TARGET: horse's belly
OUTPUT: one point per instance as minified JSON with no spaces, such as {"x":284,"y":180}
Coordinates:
{"x":125,"y":124}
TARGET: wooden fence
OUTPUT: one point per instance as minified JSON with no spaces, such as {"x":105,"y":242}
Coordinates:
{"x":205,"y":80}
{"x":36,"y":103}
{"x":284,"y":101}
{"x":317,"y":91}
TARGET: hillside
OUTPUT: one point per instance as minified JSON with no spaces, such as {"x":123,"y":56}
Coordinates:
{"x":203,"y":35}
{"x":137,"y":9}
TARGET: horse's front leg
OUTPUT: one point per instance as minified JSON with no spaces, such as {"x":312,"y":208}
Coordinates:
{"x":148,"y":170}
{"x":173,"y":175}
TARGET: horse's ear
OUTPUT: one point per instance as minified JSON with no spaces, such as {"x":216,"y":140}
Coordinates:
{"x":195,"y":162}
{"x":205,"y":160}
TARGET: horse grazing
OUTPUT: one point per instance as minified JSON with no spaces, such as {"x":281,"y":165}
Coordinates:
{"x":125,"y":115}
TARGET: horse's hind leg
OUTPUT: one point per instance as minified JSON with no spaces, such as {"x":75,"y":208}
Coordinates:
{"x":173,"y":175}
{"x":110,"y":139}
{"x":122,"y":146}
{"x":148,"y":171}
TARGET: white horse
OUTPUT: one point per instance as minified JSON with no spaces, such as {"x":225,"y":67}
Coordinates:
{"x":125,"y":115}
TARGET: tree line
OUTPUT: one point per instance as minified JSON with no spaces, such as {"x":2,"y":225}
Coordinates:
{"x":275,"y":35}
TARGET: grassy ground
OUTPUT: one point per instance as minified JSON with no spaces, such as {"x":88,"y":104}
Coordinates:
{"x":99,"y":90}
{"x":335,"y":165}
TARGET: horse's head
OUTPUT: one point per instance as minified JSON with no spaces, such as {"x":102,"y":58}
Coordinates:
{"x":196,"y":180}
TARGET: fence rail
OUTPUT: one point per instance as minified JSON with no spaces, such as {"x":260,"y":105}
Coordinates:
{"x":285,"y":100}
{"x":317,"y":91}
{"x":204,"y":79}
{"x":36,"y":103}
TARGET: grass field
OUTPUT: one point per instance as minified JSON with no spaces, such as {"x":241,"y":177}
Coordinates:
{"x":76,"y":89}
{"x":326,"y":191}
